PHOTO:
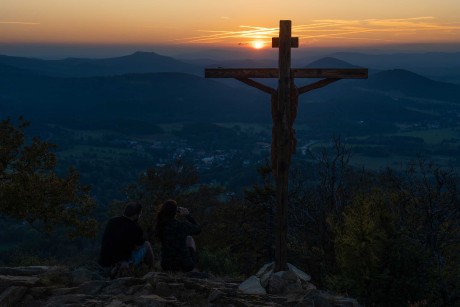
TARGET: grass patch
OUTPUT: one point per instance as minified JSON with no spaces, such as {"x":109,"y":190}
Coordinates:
{"x":245,"y":127}
{"x":432,"y":136}
{"x":171,"y":128}
{"x":7,"y":247}
{"x":99,"y":151}
{"x":378,"y":163}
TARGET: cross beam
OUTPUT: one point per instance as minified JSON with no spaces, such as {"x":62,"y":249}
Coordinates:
{"x":243,"y":73}
{"x":284,"y":101}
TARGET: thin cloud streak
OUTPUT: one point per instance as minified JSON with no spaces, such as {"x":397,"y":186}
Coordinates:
{"x":22,"y":23}
{"x":254,"y":33}
{"x":332,"y":29}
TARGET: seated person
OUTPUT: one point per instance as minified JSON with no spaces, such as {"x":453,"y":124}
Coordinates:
{"x":178,"y":248}
{"x":123,"y":242}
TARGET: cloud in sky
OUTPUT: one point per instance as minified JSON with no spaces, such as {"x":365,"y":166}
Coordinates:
{"x":389,"y":30}
{"x":219,"y":36}
{"x":20,"y":23}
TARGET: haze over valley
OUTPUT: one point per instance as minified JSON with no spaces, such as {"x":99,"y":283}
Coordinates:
{"x":162,"y":108}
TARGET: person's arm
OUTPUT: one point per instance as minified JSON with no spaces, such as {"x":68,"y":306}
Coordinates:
{"x":139,"y":239}
{"x":191,"y":227}
{"x":191,"y":219}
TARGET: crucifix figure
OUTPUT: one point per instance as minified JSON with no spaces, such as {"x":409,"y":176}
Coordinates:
{"x":284,"y":102}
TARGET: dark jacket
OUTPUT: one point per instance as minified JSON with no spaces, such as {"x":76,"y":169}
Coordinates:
{"x":175,"y":255}
{"x":121,"y":236}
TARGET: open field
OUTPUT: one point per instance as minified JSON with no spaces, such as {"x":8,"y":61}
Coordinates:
{"x":96,"y":151}
{"x":374,"y":152}
{"x":389,"y":150}
{"x":433,"y":136}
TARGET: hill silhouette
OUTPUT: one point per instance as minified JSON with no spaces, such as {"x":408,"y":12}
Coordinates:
{"x":159,"y":97}
{"x":138,"y":62}
{"x":330,"y":62}
{"x":35,"y":89}
{"x":415,"y":85}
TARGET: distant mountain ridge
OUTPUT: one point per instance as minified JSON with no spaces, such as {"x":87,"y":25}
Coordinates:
{"x":330,"y":62}
{"x":443,"y":66}
{"x":400,"y":59}
{"x":157,"y":97}
{"x":415,"y":85}
{"x":138,"y":62}
{"x":386,"y":98}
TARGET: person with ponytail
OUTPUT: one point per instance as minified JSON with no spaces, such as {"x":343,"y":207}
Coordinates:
{"x":178,"y":250}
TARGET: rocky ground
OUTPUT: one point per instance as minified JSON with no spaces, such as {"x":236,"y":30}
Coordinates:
{"x":62,"y":286}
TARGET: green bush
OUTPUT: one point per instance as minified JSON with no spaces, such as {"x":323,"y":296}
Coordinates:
{"x":219,"y":262}
{"x":376,"y":261}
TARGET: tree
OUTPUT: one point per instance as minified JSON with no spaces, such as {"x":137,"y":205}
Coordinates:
{"x":430,"y":211}
{"x":399,"y":241}
{"x":319,"y":193}
{"x":32,"y":191}
{"x":375,"y":258}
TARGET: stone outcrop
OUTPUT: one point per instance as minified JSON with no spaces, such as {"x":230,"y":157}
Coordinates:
{"x":62,"y":286}
{"x":285,"y":282}
{"x":292,"y":284}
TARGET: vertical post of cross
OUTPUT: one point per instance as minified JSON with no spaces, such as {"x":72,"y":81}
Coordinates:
{"x":284,"y":102}
{"x":283,"y":144}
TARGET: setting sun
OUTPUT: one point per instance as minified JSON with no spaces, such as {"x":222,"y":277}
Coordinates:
{"x":258,"y":45}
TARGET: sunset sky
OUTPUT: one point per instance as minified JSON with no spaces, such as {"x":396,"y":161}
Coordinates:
{"x":228,"y":23}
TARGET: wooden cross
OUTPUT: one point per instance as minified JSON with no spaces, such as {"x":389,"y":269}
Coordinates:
{"x":284,"y":101}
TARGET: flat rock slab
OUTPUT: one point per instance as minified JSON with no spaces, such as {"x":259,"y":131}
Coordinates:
{"x":24,"y":271}
{"x":52,"y":287}
{"x":26,"y":281}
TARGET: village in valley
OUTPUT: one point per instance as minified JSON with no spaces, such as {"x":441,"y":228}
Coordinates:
{"x":226,"y":155}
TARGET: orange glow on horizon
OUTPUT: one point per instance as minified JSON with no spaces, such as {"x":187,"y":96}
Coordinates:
{"x":228,"y":23}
